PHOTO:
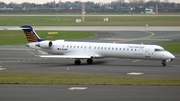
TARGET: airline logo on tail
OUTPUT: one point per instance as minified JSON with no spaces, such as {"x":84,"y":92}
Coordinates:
{"x":31,"y":37}
{"x":30,"y":34}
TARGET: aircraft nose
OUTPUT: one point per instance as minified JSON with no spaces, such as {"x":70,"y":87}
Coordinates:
{"x":171,"y":56}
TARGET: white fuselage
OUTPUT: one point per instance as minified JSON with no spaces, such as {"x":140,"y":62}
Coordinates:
{"x":105,"y":50}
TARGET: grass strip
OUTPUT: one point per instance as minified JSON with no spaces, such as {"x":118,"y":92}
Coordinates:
{"x":90,"y":21}
{"x":9,"y":37}
{"x":172,"y":47}
{"x":70,"y":79}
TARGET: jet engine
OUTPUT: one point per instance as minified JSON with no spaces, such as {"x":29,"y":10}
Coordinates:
{"x":45,"y":44}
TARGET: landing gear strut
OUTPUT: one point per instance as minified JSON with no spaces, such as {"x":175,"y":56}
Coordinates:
{"x":163,"y":63}
{"x":77,"y":62}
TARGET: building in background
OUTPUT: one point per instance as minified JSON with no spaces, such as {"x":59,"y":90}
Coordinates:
{"x":148,"y":11}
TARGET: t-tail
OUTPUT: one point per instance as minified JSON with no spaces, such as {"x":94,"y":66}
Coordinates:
{"x":30,"y":34}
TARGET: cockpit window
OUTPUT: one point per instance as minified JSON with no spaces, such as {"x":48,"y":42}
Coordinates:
{"x":159,"y":50}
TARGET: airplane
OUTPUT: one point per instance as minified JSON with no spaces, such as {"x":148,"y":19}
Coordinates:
{"x":93,"y":50}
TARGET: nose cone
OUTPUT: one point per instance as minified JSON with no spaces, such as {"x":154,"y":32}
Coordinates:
{"x":173,"y":56}
{"x":170,"y":56}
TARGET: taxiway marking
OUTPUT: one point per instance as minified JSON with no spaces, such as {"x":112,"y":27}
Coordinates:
{"x":1,"y":62}
{"x":136,"y":60}
{"x":78,"y":88}
{"x":134,"y":73}
{"x":2,"y":68}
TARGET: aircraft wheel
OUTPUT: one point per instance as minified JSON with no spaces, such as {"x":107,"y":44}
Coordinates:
{"x":89,"y":61}
{"x":77,"y":62}
{"x":163,"y":63}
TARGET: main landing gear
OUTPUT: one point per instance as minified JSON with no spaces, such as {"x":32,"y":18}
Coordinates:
{"x":78,"y":61}
{"x":89,"y":61}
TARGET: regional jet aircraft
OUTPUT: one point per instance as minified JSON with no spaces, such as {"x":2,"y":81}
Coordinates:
{"x":94,"y":50}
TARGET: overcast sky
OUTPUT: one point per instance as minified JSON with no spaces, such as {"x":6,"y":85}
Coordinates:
{"x":44,"y":1}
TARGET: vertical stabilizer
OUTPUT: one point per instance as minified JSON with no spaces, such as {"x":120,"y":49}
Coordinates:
{"x":30,"y":34}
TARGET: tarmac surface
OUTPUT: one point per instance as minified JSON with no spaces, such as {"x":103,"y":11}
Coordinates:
{"x":23,"y":61}
{"x":88,"y":93}
{"x":17,"y":59}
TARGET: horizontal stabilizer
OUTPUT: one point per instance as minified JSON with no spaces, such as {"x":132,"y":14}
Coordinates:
{"x":16,"y":28}
{"x":31,"y":35}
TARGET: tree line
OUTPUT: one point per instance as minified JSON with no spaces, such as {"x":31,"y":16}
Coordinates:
{"x":90,"y":7}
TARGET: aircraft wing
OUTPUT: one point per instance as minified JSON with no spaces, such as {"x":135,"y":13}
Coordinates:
{"x":67,"y":56}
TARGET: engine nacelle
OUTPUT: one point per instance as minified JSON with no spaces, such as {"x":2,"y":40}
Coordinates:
{"x":45,"y":44}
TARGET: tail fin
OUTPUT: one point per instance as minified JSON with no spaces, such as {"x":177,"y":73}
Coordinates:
{"x":30,"y":34}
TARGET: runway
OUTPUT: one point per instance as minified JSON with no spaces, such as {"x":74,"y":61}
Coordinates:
{"x":17,"y":59}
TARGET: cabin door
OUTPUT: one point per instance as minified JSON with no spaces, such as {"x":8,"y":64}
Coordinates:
{"x":147,"y":53}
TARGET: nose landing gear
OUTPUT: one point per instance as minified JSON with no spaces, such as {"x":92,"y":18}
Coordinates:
{"x":163,"y":63}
